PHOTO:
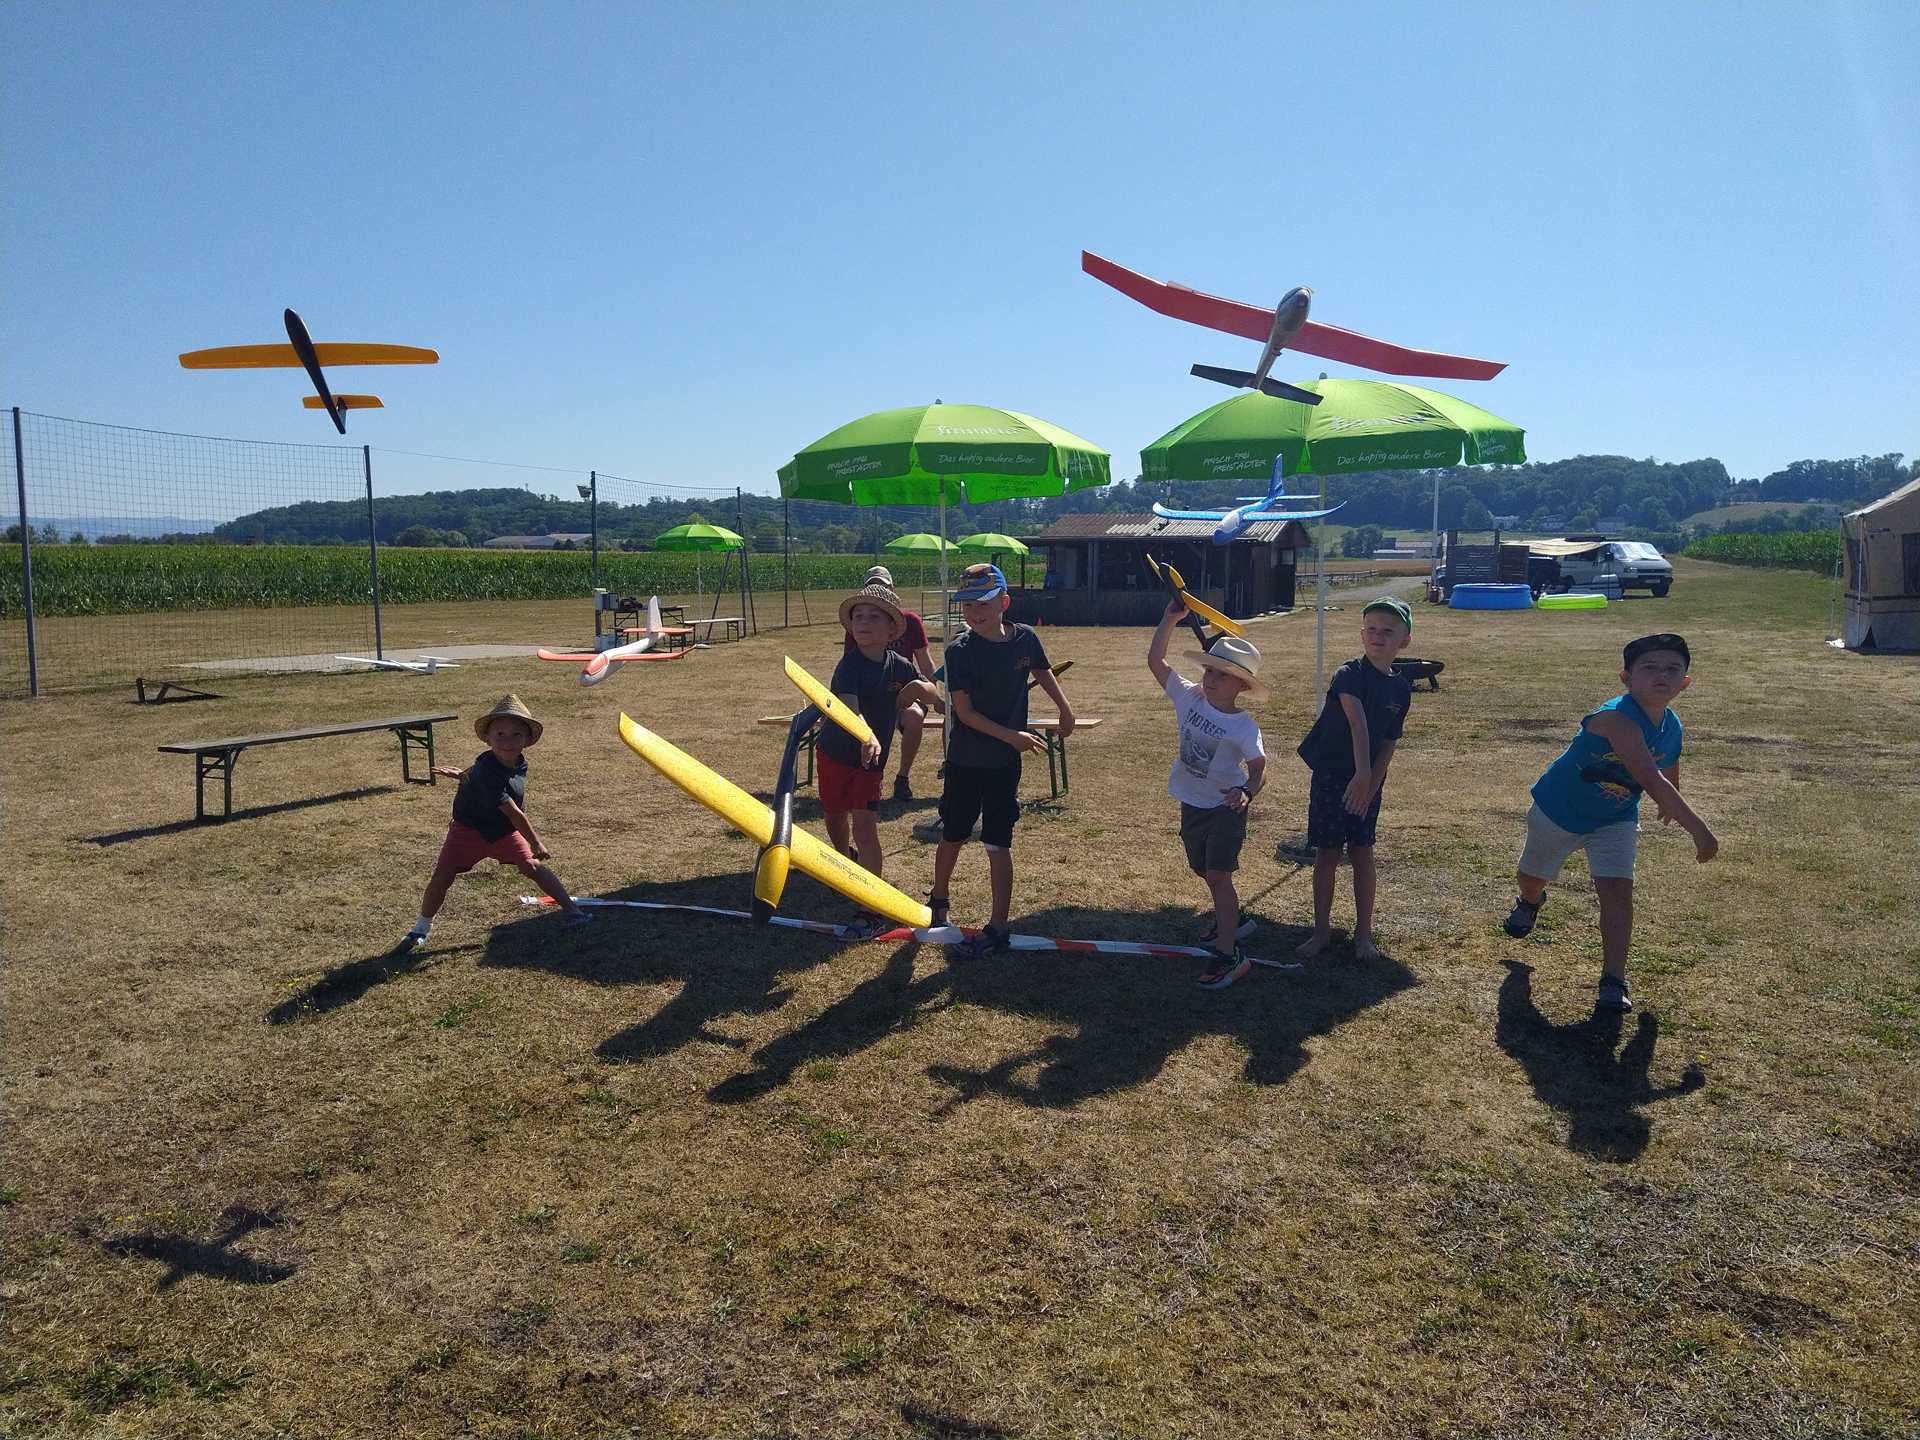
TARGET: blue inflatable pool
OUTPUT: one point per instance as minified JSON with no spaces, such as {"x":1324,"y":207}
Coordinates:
{"x":1490,"y":597}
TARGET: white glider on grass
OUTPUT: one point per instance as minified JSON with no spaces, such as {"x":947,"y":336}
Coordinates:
{"x":600,"y":663}
{"x":425,"y":665}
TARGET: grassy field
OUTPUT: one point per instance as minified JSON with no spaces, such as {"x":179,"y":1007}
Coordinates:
{"x":686,"y":1178}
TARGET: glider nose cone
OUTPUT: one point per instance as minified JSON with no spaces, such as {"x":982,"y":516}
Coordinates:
{"x":1291,"y":313}
{"x":770,"y":881}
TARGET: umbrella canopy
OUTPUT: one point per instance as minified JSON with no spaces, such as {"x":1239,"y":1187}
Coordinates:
{"x":991,"y":542}
{"x":1358,"y":425}
{"x":920,"y":543}
{"x":930,"y":454}
{"x":697,"y":535}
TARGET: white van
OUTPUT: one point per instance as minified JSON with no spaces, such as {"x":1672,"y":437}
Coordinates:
{"x":1639,"y":565}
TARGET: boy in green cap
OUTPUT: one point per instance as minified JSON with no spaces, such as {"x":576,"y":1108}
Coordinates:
{"x":1348,"y":749}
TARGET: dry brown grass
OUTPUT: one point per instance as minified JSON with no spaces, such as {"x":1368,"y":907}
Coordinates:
{"x":696,"y":1179}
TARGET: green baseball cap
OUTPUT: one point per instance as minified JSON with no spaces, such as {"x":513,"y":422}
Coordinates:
{"x":1399,"y":609}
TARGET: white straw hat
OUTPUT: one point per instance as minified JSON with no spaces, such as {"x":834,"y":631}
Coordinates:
{"x":1236,"y":657}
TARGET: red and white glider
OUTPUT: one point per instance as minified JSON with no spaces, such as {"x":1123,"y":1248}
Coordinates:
{"x":1257,"y":322}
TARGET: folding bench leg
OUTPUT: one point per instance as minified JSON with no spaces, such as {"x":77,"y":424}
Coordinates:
{"x":410,"y":740}
{"x":205,"y":765}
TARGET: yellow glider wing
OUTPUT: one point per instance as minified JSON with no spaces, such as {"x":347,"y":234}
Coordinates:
{"x":267,"y":357}
{"x":851,"y":721}
{"x":1205,"y":611}
{"x":755,"y":821}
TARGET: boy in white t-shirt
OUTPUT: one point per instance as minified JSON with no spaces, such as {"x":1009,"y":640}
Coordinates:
{"x":1220,"y":767}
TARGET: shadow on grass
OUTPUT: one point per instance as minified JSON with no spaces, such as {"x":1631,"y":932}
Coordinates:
{"x":1128,"y":1015}
{"x":175,"y":827}
{"x":935,"y":1424}
{"x":345,"y":984}
{"x":1573,"y":1068}
{"x":213,"y":1258}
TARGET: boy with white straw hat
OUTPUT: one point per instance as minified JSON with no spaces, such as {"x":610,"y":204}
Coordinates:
{"x":1221,"y":765}
{"x":488,"y":821}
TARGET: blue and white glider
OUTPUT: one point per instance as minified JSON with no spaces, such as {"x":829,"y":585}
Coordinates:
{"x":1270,"y":506}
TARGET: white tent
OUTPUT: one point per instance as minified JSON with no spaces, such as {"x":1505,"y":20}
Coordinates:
{"x":1883,"y":573}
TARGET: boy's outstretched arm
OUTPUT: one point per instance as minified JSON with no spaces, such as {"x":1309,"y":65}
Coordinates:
{"x":1621,"y":733}
{"x":1157,"y":647}
{"x":1359,"y":789}
{"x":520,"y":822}
{"x":1045,"y":679}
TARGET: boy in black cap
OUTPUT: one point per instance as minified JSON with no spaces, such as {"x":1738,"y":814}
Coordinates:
{"x":1348,"y":749}
{"x":987,"y":672}
{"x":1589,"y":799}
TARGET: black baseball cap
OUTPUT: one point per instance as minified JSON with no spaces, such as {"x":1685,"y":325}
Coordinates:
{"x":1646,"y":643}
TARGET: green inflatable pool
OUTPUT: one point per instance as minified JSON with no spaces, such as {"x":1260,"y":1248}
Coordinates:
{"x":1571,"y":602}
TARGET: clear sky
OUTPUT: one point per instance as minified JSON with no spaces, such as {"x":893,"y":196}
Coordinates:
{"x":679,"y":242}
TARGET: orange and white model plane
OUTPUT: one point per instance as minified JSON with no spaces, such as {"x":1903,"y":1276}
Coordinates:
{"x":301,"y":350}
{"x":1285,"y":327}
{"x":599,"y":663}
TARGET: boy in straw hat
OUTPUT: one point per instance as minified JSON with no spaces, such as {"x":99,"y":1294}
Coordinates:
{"x":912,"y":643}
{"x":488,"y":821}
{"x":879,"y":682}
{"x":1348,"y":749}
{"x":1220,"y":767}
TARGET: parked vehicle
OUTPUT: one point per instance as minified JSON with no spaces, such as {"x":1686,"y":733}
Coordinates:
{"x":1639,"y":565}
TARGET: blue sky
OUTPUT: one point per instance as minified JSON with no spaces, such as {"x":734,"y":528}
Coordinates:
{"x":680,"y":242}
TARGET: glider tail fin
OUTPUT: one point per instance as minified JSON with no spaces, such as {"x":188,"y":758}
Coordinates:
{"x":654,"y":627}
{"x":1266,"y":384}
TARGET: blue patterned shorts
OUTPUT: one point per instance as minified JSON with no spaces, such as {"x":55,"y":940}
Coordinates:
{"x":1329,"y":824}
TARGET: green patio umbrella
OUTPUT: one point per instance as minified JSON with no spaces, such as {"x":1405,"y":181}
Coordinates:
{"x":918,"y":543}
{"x":992,"y":542}
{"x":930,"y":454}
{"x":1359,"y":425}
{"x":699,"y":537}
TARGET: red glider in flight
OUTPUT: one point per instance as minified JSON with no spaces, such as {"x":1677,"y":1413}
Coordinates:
{"x":1284,"y":327}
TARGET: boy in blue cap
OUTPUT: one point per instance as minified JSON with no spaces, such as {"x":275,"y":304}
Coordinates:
{"x":1348,"y":749}
{"x":988,"y":667}
{"x":1589,"y":799}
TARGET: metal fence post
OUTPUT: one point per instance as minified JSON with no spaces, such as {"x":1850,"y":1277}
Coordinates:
{"x":593,"y":521}
{"x":373,"y":549}
{"x":26,"y":556}
{"x":786,"y":564}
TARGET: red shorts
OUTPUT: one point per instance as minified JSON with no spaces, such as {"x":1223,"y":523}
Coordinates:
{"x":844,"y":789}
{"x":465,"y":847}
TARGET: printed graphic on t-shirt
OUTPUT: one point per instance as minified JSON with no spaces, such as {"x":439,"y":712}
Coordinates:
{"x":1610,"y":774}
{"x":1197,"y":751}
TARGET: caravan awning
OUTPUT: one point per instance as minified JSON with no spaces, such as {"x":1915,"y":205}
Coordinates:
{"x":1559,"y":548}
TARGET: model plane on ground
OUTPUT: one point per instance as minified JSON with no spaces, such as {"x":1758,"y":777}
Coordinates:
{"x":599,"y":663}
{"x":1285,"y":327}
{"x":1228,"y":524}
{"x":425,"y":665}
{"x":301,"y":350}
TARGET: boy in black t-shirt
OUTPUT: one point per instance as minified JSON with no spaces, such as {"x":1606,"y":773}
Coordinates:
{"x":488,"y":821}
{"x":1348,"y":749}
{"x":987,"y":672}
{"x":875,"y":680}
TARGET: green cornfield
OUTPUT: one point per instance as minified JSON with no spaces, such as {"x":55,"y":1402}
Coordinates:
{"x":126,"y":579}
{"x":1815,"y":550}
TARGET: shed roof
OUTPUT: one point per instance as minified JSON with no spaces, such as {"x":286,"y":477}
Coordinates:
{"x":1290,"y":533}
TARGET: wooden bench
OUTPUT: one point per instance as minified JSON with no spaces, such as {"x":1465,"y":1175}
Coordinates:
{"x":210,"y":756}
{"x":1048,"y":730}
{"x":736,"y":627}
{"x":672,"y":637}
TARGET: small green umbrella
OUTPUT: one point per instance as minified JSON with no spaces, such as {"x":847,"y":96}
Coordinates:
{"x":919,"y":543}
{"x":699,"y":537}
{"x":991,"y":542}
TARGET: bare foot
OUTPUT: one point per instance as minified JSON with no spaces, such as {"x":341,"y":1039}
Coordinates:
{"x":1365,"y":950}
{"x":1314,"y":944}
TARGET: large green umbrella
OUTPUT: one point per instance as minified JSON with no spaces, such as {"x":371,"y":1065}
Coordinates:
{"x":700,"y":537}
{"x":1358,"y":425}
{"x":930,"y":454}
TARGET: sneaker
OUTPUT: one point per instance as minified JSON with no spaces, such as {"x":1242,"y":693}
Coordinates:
{"x":902,"y":791}
{"x":1519,"y":921}
{"x":938,"y":904}
{"x":1212,"y":933}
{"x":1612,"y":997}
{"x":412,"y":943}
{"x":974,"y":947}
{"x":1225,"y":969}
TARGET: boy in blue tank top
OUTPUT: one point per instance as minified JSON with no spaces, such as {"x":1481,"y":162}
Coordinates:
{"x":1590,"y":799}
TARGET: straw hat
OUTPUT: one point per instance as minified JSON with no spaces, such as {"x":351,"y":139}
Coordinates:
{"x":1233,"y":656}
{"x":879,"y":596}
{"x":880,"y":573}
{"x":508,"y":705}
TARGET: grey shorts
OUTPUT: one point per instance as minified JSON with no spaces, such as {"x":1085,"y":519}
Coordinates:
{"x":1213,"y":837}
{"x":1610,"y":849}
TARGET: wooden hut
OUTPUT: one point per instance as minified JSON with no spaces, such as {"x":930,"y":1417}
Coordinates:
{"x":1883,"y":572}
{"x":1097,"y":571}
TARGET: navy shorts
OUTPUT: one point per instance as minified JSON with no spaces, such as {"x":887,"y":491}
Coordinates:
{"x":987,"y":793}
{"x":1330,"y":826}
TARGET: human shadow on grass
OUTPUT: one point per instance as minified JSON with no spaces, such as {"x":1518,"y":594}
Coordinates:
{"x":1128,"y":1015}
{"x":345,"y":984}
{"x":724,"y":966}
{"x":256,"y":812}
{"x":213,"y":1258}
{"x":1573,"y":1068}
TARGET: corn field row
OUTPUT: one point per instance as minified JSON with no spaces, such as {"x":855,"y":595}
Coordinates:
{"x":1815,"y":550}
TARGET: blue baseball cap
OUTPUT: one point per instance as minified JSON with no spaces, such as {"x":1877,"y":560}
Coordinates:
{"x":980,"y":582}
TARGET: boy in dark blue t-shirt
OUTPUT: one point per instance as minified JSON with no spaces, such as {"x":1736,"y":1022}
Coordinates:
{"x":987,"y":672}
{"x":1348,"y":749}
